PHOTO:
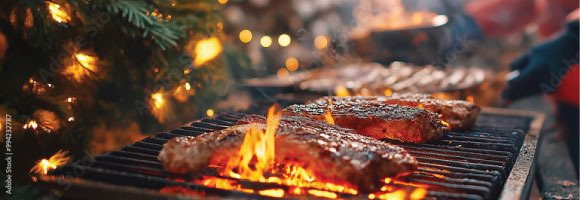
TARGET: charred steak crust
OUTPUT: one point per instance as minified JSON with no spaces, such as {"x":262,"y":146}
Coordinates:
{"x":460,"y":115}
{"x":376,"y":119}
{"x":328,"y":151}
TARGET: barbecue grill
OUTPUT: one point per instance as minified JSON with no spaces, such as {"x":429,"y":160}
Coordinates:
{"x":495,"y":159}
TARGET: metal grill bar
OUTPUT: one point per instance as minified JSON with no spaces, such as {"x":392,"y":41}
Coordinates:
{"x":470,"y":165}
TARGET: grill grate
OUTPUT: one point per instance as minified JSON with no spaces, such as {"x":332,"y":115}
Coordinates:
{"x":462,"y":165}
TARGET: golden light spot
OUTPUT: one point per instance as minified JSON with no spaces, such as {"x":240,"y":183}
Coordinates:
{"x":58,"y":13}
{"x":220,"y":26}
{"x":266,"y":41}
{"x":328,"y":117}
{"x":372,"y":196}
{"x":320,"y":42}
{"x":83,"y":65}
{"x":282,"y":74}
{"x":187,"y":86}
{"x":186,"y":71}
{"x":388,"y":92}
{"x":341,"y":91}
{"x":70,"y":119}
{"x":245,"y":36}
{"x":158,"y":99}
{"x":292,"y":64}
{"x":205,"y":50}
{"x":445,"y":123}
{"x":209,"y":112}
{"x":284,"y":40}
{"x":222,"y":1}
{"x":70,"y":99}
{"x":272,"y":192}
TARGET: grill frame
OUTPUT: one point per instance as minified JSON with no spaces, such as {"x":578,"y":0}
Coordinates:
{"x":517,"y":185}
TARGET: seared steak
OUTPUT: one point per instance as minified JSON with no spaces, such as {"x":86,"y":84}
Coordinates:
{"x":460,"y":115}
{"x":326,"y":151}
{"x":376,"y":119}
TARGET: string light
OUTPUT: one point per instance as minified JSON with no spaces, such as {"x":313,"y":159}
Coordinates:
{"x":291,"y":64}
{"x":284,"y":40}
{"x":320,"y":42}
{"x":187,"y":86}
{"x":245,"y":36}
{"x":70,"y":119}
{"x":222,"y":1}
{"x":209,"y":112}
{"x":205,"y":50}
{"x":58,"y":14}
{"x":82,"y":64}
{"x":266,"y":41}
{"x":158,"y":99}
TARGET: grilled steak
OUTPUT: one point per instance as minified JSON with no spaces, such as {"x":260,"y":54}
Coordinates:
{"x":460,"y":115}
{"x":327,"y":151}
{"x":376,"y":119}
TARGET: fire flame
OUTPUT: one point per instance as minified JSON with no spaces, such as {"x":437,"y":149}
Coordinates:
{"x":58,"y":14}
{"x":30,"y":124}
{"x":469,"y":98}
{"x":206,"y":50}
{"x":328,"y":117}
{"x":445,"y":123}
{"x":43,"y":166}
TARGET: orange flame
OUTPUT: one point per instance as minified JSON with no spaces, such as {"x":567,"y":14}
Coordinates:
{"x":30,"y":124}
{"x":328,"y":117}
{"x":43,"y":166}
{"x":255,"y":161}
{"x":445,"y":123}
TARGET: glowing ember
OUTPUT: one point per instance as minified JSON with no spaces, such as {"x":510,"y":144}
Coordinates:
{"x":272,"y":192}
{"x":328,"y":117}
{"x":469,"y":98}
{"x":58,"y":13}
{"x":44,"y":165}
{"x":341,"y":91}
{"x":206,"y":50}
{"x":322,"y":193}
{"x":419,"y":193}
{"x":30,"y":124}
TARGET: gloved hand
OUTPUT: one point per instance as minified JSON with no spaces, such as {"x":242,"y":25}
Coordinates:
{"x":546,"y":66}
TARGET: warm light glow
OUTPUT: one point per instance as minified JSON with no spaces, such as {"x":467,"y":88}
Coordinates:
{"x":222,"y":1}
{"x":341,"y":91}
{"x":322,"y":193}
{"x":266,"y":41}
{"x":30,"y":124}
{"x":43,"y":166}
{"x":372,"y":196}
{"x":469,"y":98}
{"x":209,"y":112}
{"x":399,"y":194}
{"x":328,"y":117}
{"x":206,"y":50}
{"x":83,"y":65}
{"x":388,"y":180}
{"x":187,"y":86}
{"x":420,"y":106}
{"x":388,"y":92}
{"x":284,"y":40}
{"x":282,"y":74}
{"x":58,"y":13}
{"x":70,"y":119}
{"x":292,"y":64}
{"x":320,"y":42}
{"x":245,"y":36}
{"x":272,"y":192}
{"x":186,"y":71}
{"x":158,"y":99}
